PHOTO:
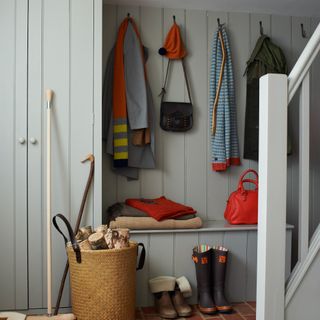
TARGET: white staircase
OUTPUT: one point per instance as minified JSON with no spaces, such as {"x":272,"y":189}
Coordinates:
{"x":300,"y":298}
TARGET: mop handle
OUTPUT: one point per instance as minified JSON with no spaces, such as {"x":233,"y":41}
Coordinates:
{"x":49,"y":94}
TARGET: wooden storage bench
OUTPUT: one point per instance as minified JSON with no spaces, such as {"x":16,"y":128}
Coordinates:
{"x":169,"y":253}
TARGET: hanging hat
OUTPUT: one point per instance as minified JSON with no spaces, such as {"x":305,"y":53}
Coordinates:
{"x":173,"y":47}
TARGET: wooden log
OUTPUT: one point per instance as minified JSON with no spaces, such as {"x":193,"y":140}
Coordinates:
{"x":86,"y":232}
{"x":102,"y":228}
{"x":85,"y":245}
{"x":97,"y":241}
{"x":117,"y":238}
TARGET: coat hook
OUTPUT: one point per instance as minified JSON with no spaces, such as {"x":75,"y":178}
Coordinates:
{"x":174,"y":19}
{"x":303,"y":32}
{"x":128,"y":14}
{"x":219,"y":23}
{"x":261,"y":28}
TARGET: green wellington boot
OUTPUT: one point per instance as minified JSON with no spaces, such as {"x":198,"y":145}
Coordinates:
{"x":219,"y":265}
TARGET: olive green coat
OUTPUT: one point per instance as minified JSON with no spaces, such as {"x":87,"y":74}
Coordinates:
{"x":265,"y":58}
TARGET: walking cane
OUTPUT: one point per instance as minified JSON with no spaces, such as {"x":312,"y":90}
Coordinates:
{"x":76,"y":229}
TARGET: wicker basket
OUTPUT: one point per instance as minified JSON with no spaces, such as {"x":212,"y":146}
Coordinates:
{"x":103,"y":285}
{"x":103,"y":282}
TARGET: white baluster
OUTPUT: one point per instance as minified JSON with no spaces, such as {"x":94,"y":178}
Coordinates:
{"x":272,"y":196}
{"x":304,"y":155}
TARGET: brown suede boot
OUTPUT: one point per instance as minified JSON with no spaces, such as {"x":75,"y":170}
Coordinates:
{"x":164,"y":305}
{"x":220,"y":258}
{"x":202,"y":257}
{"x":182,"y":308}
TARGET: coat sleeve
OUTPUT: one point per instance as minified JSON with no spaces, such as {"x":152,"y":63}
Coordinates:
{"x":136,"y":92}
{"x":107,"y":98}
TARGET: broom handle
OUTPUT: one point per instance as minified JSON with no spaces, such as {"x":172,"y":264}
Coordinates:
{"x":49,"y":94}
{"x":80,"y":214}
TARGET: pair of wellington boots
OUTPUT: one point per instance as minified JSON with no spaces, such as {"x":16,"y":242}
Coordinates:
{"x":211,"y":264}
{"x":169,"y":294}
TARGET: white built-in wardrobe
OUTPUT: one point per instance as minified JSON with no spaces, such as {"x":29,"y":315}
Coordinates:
{"x":63,"y":45}
{"x":44,"y":44}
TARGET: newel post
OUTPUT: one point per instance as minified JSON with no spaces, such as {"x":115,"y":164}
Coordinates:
{"x":272,"y":196}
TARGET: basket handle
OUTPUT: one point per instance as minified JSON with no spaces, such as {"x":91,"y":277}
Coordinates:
{"x":73,"y":240}
{"x":142,"y":256}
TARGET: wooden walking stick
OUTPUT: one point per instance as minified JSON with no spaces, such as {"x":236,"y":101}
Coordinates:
{"x":76,"y":228}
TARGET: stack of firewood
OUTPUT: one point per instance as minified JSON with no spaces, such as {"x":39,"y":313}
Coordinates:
{"x":102,"y":238}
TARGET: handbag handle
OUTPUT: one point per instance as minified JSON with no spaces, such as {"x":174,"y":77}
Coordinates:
{"x":242,"y":180}
{"x":72,"y":237}
{"x":142,"y":256}
{"x":163,"y":91}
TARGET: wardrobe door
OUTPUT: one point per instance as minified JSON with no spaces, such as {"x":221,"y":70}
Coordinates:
{"x":61,"y":50}
{"x":13,"y":169}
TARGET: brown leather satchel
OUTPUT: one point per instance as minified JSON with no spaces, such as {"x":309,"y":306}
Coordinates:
{"x":176,"y":116}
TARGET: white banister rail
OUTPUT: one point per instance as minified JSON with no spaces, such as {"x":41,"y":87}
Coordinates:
{"x":303,"y":64}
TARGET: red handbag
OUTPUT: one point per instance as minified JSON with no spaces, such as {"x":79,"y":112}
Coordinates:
{"x":242,"y":205}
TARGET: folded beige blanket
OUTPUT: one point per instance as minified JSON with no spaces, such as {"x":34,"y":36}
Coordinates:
{"x":150,"y":223}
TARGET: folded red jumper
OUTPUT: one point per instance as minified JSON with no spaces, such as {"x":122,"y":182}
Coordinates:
{"x":160,"y":208}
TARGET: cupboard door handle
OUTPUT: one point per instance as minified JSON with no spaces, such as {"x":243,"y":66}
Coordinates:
{"x":22,"y":140}
{"x":33,"y":140}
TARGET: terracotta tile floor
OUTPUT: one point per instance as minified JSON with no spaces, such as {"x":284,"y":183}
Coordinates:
{"x":242,"y":311}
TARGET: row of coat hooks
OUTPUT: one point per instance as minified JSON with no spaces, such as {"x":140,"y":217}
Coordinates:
{"x":303,"y":31}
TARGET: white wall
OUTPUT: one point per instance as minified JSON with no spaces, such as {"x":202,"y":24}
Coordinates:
{"x":183,"y":162}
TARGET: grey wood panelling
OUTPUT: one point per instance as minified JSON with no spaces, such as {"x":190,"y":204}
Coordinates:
{"x":170,"y":254}
{"x":57,"y":33}
{"x":174,"y":173}
{"x":239,"y":24}
{"x":142,"y":289}
{"x":236,"y":242}
{"x":251,"y":282}
{"x":183,"y":264}
{"x":183,"y":160}
{"x":161,"y":258}
{"x":151,"y":19}
{"x":196,"y":143}
{"x":13,"y":172}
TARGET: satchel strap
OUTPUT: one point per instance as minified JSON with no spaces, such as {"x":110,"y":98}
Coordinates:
{"x":163,"y":90}
{"x":242,"y":180}
{"x":72,"y":237}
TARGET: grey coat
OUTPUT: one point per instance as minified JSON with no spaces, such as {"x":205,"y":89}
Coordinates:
{"x":139,"y":107}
